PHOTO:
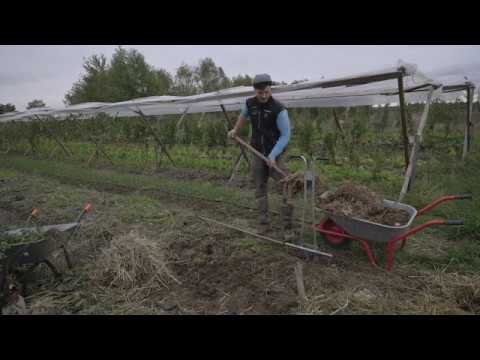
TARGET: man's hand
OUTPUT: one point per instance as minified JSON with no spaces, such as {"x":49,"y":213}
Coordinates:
{"x":232,"y":133}
{"x":271,"y":163}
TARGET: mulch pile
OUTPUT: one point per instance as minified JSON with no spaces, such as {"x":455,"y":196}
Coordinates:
{"x":360,"y":202}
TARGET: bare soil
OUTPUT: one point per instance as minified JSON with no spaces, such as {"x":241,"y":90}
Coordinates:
{"x":218,"y":278}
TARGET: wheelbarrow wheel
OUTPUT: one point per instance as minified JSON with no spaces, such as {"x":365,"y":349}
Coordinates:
{"x":334,"y":240}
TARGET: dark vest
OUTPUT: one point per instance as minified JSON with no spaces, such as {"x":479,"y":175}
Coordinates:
{"x":263,"y":118}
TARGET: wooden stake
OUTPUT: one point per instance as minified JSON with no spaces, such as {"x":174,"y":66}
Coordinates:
{"x":401,"y":96}
{"x":230,"y":124}
{"x":59,"y":143}
{"x":409,"y":175}
{"x":100,"y":149}
{"x":182,"y":117}
{"x":235,"y":167}
{"x":339,"y":126}
{"x":94,"y":155}
{"x":157,"y":138}
{"x":53,"y":152}
{"x":468,"y":123}
{"x":300,"y":282}
{"x":180,"y":122}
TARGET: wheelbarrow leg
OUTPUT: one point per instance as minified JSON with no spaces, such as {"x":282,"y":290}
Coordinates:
{"x":52,"y":267}
{"x":3,"y":285}
{"x":391,"y":252}
{"x":369,"y":252}
{"x":67,"y":256}
{"x":24,"y":279}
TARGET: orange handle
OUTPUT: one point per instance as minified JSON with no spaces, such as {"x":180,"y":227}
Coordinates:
{"x":88,"y":207}
{"x":34,"y":212}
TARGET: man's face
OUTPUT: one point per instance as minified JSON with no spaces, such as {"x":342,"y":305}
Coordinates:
{"x":263,"y":95}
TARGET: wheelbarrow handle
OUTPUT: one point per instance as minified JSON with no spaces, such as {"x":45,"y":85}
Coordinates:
{"x":420,"y":227}
{"x":454,"y":222}
{"x":87,"y":208}
{"x":442,"y":199}
{"x":464,"y":197}
{"x":298,"y":157}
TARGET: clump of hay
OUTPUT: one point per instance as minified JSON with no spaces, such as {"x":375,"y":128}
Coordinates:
{"x":467,"y":297}
{"x":133,"y":261}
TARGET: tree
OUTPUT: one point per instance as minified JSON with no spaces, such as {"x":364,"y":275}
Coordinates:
{"x":184,"y":83}
{"x":126,"y":77}
{"x":132,"y":77}
{"x":240,"y":80}
{"x":7,"y":108}
{"x":35,"y":104}
{"x":94,"y":85}
{"x":209,"y":77}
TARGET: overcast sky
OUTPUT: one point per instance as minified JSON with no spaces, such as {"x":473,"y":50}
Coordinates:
{"x":47,"y":72}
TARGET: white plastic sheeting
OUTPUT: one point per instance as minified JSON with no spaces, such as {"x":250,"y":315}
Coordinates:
{"x":373,"y":88}
{"x":458,"y":75}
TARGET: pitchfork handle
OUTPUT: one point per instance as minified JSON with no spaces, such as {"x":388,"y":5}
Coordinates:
{"x":259,"y":154}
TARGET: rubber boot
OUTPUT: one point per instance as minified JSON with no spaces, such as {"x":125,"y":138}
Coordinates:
{"x":287,"y":216}
{"x":262,"y":206}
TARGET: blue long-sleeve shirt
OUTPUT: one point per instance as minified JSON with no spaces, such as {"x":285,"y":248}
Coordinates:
{"x":283,"y":124}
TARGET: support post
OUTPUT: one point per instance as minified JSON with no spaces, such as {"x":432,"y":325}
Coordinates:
{"x":98,"y":148}
{"x":180,"y":122}
{"x":154,"y":134}
{"x":231,"y":127}
{"x":401,"y":96}
{"x":31,"y":136}
{"x":52,"y":135}
{"x":410,"y":173}
{"x":468,"y":124}
{"x":235,"y":167}
{"x":337,"y":123}
{"x":182,"y":117}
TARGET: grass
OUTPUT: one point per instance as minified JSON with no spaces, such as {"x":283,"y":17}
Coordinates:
{"x":85,"y":176}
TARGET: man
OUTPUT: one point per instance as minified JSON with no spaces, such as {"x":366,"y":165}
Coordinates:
{"x":270,"y":136}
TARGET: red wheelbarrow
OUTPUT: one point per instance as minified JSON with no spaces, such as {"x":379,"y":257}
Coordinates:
{"x":338,"y":230}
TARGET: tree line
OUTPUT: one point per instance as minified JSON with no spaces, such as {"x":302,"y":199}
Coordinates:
{"x":128,"y":76}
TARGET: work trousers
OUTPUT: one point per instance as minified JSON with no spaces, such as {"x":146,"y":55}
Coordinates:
{"x":261,"y":174}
